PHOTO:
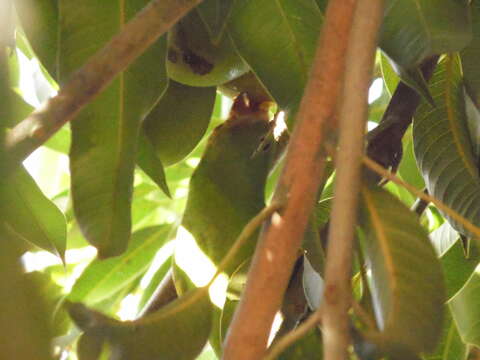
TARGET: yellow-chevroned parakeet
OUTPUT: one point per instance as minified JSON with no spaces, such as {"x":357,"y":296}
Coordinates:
{"x":226,"y":191}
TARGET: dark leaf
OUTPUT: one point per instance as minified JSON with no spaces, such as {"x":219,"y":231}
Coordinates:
{"x":405,"y":271}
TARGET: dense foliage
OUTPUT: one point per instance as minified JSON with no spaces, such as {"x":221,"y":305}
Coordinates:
{"x":111,"y":231}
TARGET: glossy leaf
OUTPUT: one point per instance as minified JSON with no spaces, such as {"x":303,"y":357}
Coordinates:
{"x":104,"y":136}
{"x":466,"y":312}
{"x":473,"y":123}
{"x":31,"y":216}
{"x":457,"y":267}
{"x":273,"y":36}
{"x":193,"y":59}
{"x":103,"y":278}
{"x":226,"y":191}
{"x":416,"y":29}
{"x":405,"y":271}
{"x":390,"y":78}
{"x":442,"y":145}
{"x":39,"y":19}
{"x":178,"y":331}
{"x":470,"y":55}
{"x":179,"y":121}
{"x":24,"y":321}
{"x":313,"y":285}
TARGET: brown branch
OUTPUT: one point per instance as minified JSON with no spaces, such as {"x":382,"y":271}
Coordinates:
{"x":353,"y":116}
{"x":163,"y":295}
{"x":385,"y":141}
{"x":279,"y":242}
{"x":142,"y":31}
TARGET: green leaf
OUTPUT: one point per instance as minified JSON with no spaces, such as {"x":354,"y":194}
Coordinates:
{"x":104,"y":136}
{"x":179,"y":121}
{"x":177,"y":331}
{"x":24,"y":322}
{"x":470,"y":55}
{"x":389,"y":75}
{"x":226,"y":191}
{"x":473,"y":123}
{"x":273,"y":36}
{"x":466,"y":312}
{"x":150,"y":163}
{"x":407,"y":280}
{"x":457,"y":267}
{"x":193,"y":59}
{"x":103,"y":278}
{"x":31,"y":216}
{"x":39,"y":19}
{"x":451,"y":346}
{"x":416,"y":29}
{"x":19,"y":110}
{"x":215,"y":14}
{"x":442,"y":145}
{"x":408,"y":169}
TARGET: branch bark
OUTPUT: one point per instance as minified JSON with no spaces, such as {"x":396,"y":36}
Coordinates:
{"x":280,"y":240}
{"x":385,"y":141}
{"x":153,"y":21}
{"x":353,"y":118}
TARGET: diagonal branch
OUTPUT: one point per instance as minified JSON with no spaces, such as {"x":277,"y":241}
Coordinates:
{"x":278,"y":245}
{"x":142,"y":31}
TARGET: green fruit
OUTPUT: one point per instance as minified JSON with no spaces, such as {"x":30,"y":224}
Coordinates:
{"x":192,"y":58}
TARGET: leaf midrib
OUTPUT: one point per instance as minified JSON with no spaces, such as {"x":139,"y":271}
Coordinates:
{"x":453,"y":119}
{"x":117,"y":192}
{"x":380,"y":233}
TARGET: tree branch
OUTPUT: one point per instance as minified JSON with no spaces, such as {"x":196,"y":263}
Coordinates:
{"x":154,"y":20}
{"x":353,"y":116}
{"x":280,"y":240}
{"x":385,"y":141}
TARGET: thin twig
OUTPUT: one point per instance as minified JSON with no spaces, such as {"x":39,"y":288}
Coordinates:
{"x":277,"y":247}
{"x":247,"y":232}
{"x":300,"y":331}
{"x":142,"y":31}
{"x":422,"y":195}
{"x":353,"y":118}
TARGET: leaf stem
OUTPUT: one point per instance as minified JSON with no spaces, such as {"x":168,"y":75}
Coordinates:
{"x":288,"y":339}
{"x":298,"y":185}
{"x":422,"y":195}
{"x":85,"y":84}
